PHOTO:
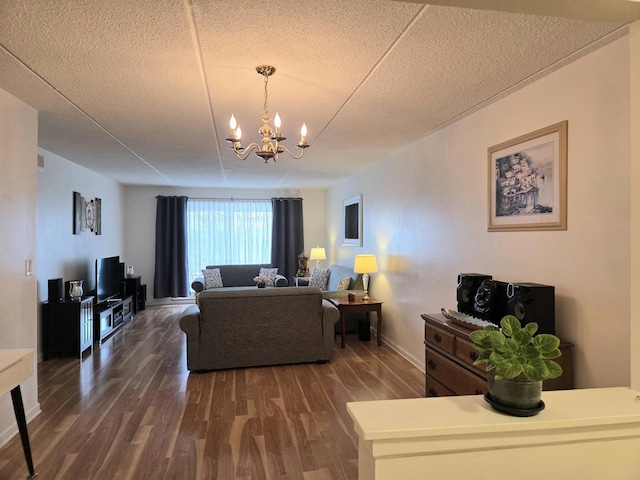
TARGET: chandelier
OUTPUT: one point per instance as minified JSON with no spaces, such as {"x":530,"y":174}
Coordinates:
{"x":271,"y":140}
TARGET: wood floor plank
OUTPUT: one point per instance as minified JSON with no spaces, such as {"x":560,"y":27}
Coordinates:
{"x":131,"y":411}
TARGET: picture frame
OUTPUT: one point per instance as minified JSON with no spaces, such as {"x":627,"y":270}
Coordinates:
{"x":78,"y":206}
{"x":527,"y":181}
{"x":87,"y":214}
{"x":352,"y":221}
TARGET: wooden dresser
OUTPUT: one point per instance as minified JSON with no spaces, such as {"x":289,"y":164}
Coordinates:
{"x":449,"y":357}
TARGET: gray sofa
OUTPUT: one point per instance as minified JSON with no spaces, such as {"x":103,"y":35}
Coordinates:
{"x":238,"y":276}
{"x":336,"y":273}
{"x":248,"y":327}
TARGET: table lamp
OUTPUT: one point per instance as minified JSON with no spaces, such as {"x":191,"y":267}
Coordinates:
{"x":365,"y":263}
{"x":317,"y":254}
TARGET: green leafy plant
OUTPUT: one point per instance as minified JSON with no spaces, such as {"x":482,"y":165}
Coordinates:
{"x":513,"y":352}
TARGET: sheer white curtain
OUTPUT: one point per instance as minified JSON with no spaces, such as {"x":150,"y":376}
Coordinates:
{"x":227,"y":232}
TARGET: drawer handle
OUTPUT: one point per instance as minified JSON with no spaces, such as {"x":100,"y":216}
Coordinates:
{"x":473,"y":355}
{"x":431,"y":364}
{"x":432,"y":392}
{"x":437,"y":338}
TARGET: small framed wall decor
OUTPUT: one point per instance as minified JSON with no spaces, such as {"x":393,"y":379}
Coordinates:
{"x":87,"y":215}
{"x":352,"y":221}
{"x":528,"y":181}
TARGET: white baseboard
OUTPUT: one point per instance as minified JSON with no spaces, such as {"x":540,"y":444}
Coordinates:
{"x":12,"y":430}
{"x":418,"y":363}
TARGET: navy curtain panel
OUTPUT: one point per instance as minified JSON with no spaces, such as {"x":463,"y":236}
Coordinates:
{"x":288,"y":235}
{"x":170,"y":278}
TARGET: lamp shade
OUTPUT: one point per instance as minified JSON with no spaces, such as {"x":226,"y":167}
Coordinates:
{"x":317,"y":253}
{"x":365,"y":263}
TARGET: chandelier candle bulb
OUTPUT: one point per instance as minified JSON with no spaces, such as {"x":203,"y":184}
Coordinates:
{"x":277,"y":123}
{"x":233,"y":124}
{"x":303,"y":134}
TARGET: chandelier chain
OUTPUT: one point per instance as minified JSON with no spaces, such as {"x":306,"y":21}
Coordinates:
{"x":266,"y":96}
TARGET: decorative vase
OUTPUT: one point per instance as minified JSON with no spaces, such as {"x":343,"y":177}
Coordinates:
{"x":75,"y":289}
{"x":262,"y":285}
{"x":130,"y":271}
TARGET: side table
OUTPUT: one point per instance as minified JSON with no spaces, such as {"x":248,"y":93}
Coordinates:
{"x":345,"y":306}
{"x":302,"y":281}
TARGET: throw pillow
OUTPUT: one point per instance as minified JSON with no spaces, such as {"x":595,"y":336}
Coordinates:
{"x":344,"y":284}
{"x":212,"y":278}
{"x":319,"y":278}
{"x":270,"y":273}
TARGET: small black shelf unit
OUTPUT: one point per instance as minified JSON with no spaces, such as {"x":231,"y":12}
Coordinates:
{"x":67,"y":327}
{"x":133,"y":286}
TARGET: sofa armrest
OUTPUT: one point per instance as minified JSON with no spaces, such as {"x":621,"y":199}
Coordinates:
{"x":330,"y":313}
{"x":190,"y":321}
{"x":198,"y":284}
{"x":281,"y":281}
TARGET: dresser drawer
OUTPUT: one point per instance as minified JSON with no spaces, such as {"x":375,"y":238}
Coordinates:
{"x":436,"y":389}
{"x":439,"y":338}
{"x":467,"y":354}
{"x":454,"y":377}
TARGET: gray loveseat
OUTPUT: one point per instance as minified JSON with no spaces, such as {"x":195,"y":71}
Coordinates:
{"x":247,"y":327}
{"x":238,"y":276}
{"x":336,"y":273}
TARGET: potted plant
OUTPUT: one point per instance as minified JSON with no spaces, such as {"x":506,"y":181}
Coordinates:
{"x":261,"y":281}
{"x":517,"y":361}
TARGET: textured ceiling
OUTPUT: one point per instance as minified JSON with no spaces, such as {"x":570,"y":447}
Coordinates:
{"x":142,"y":91}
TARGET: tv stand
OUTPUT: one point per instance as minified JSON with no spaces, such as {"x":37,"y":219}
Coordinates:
{"x":111,"y":315}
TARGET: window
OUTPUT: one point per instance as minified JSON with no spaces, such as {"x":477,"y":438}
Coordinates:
{"x":227,"y":232}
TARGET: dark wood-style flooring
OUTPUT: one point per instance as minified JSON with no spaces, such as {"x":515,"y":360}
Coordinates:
{"x":131,"y":410}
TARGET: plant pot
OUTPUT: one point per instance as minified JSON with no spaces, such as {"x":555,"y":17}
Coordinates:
{"x":516,"y":396}
{"x":262,"y":285}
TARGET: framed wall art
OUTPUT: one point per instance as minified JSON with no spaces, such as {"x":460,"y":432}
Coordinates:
{"x":528,"y":181}
{"x":87,"y":214}
{"x":352,"y":221}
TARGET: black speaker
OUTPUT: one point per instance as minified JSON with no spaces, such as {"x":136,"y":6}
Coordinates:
{"x":56,"y":294}
{"x":122,"y":270}
{"x":468,"y":284}
{"x":531,"y":302}
{"x":499,"y":307}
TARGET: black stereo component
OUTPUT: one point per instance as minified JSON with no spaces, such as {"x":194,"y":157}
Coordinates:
{"x":532,"y":302}
{"x":499,"y":308}
{"x":468,"y":284}
{"x":490,"y":301}
{"x":55,"y":292}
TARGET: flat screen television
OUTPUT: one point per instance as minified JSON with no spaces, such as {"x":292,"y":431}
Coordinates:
{"x":107,"y":278}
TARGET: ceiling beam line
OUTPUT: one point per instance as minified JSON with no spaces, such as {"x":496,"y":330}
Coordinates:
{"x":197,"y":45}
{"x":375,"y":67}
{"x":79,"y":109}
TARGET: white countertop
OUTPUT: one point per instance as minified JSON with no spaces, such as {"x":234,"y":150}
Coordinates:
{"x":16,"y":365}
{"x":464,"y":415}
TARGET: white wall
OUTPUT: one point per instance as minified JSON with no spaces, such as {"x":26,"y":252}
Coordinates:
{"x":18,"y":188}
{"x":60,"y":252}
{"x":140,"y":220}
{"x":425,"y":216}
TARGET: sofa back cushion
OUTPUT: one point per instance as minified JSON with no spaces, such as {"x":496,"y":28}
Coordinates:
{"x":239,"y":275}
{"x":339,"y":272}
{"x":253,"y":325}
